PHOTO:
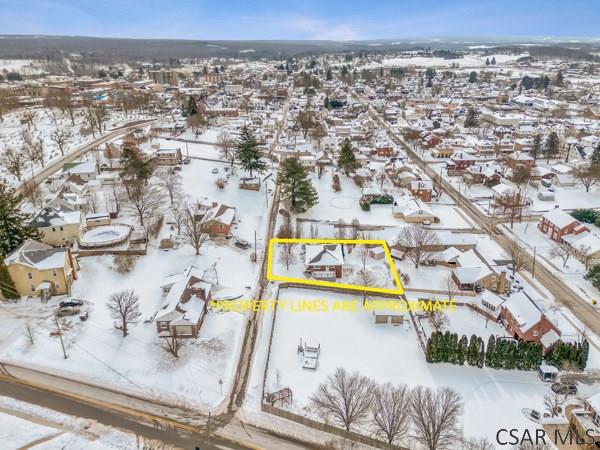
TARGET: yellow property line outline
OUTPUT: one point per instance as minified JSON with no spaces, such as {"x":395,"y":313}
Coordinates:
{"x":388,"y":256}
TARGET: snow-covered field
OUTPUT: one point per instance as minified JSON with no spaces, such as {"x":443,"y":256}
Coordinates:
{"x":493,"y":398}
{"x":466,"y":61}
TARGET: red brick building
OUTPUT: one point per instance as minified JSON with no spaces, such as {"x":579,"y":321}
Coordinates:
{"x":557,"y":223}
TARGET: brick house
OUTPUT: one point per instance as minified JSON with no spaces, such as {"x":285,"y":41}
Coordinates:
{"x":218,"y":220}
{"x":460,"y":161}
{"x":520,"y":159}
{"x":524,"y":320}
{"x":585,"y":422}
{"x":185,"y":304}
{"x":557,"y":223}
{"x":168,"y":156}
{"x":422,"y":189}
{"x":324,"y":261}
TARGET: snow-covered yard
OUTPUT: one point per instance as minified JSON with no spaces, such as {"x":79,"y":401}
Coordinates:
{"x":344,"y":205}
{"x":493,"y":398}
{"x":203,"y":374}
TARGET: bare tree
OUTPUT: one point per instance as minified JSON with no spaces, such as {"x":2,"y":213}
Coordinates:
{"x":553,"y":404}
{"x":562,"y":251}
{"x":510,"y":205}
{"x":34,"y":152}
{"x":587,"y":176}
{"x":226,"y":144}
{"x":435,"y":416}
{"x":417,"y":240}
{"x":391,"y":411}
{"x":13,"y":162}
{"x":124,"y":306}
{"x":477,"y":444}
{"x":152,"y":444}
{"x":314,"y":231}
{"x":173,"y":344}
{"x":142,"y":198}
{"x":286,"y":231}
{"x":340,"y":229}
{"x":344,"y":398}
{"x":32,"y":192}
{"x":317,"y":135}
{"x":437,"y":319}
{"x":451,"y":288}
{"x":179,"y":214}
{"x":61,"y":138}
{"x":191,"y":229}
{"x":195,"y":121}
{"x":170,"y":180}
{"x":306,"y":121}
{"x":518,"y":258}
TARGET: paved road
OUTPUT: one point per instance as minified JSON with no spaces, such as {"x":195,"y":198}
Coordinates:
{"x":579,"y":306}
{"x":57,"y":164}
{"x":181,"y":427}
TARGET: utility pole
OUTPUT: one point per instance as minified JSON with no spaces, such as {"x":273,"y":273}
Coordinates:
{"x":533,"y":265}
{"x":62,"y":344}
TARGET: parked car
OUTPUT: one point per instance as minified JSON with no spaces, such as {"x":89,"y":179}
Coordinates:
{"x":215,"y":170}
{"x":177,"y":167}
{"x":187,"y":161}
{"x":67,"y":311}
{"x":564,"y":388}
{"x":551,"y":189}
{"x":240,"y":243}
{"x":74,"y":302}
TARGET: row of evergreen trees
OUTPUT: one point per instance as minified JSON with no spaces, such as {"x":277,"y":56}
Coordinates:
{"x":576,"y":354}
{"x":511,"y":354}
{"x":501,"y":353}
{"x":446,"y":347}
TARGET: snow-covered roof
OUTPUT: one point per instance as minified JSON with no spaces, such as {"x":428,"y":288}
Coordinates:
{"x":323,"y":255}
{"x":559,"y":218}
{"x":38,"y":256}
{"x":524,"y":310}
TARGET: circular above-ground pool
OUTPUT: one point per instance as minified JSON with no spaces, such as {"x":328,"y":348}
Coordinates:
{"x":105,"y":235}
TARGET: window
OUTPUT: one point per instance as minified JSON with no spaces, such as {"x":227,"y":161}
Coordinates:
{"x":535,"y":332}
{"x":61,"y":228}
{"x":29,"y":275}
{"x":54,"y":273}
{"x":53,"y":229}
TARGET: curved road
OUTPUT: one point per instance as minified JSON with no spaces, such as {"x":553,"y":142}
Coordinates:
{"x":57,"y":164}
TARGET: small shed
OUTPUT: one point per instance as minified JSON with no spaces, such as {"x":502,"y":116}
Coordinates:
{"x":547,"y":372}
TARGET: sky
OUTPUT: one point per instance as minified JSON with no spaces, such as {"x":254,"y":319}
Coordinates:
{"x":301,"y":19}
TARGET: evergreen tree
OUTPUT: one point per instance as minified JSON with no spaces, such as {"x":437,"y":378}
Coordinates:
{"x":453,"y":349}
{"x":493,"y":60}
{"x":329,"y":76}
{"x":487,"y":61}
{"x":192,"y":108}
{"x":559,"y":78}
{"x":552,"y":146}
{"x":595,"y":158}
{"x":7,"y":286}
{"x":347,"y":160}
{"x":445,"y":347}
{"x":582,"y":357}
{"x":482,"y":354}
{"x":471,"y":120}
{"x":490,"y":354}
{"x":593,"y":276}
{"x":473,"y":77}
{"x":461,"y":355}
{"x":473,"y":351}
{"x":536,"y":147}
{"x":248,"y":153}
{"x":522,"y":358}
{"x":14,"y":224}
{"x":296,"y":186}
